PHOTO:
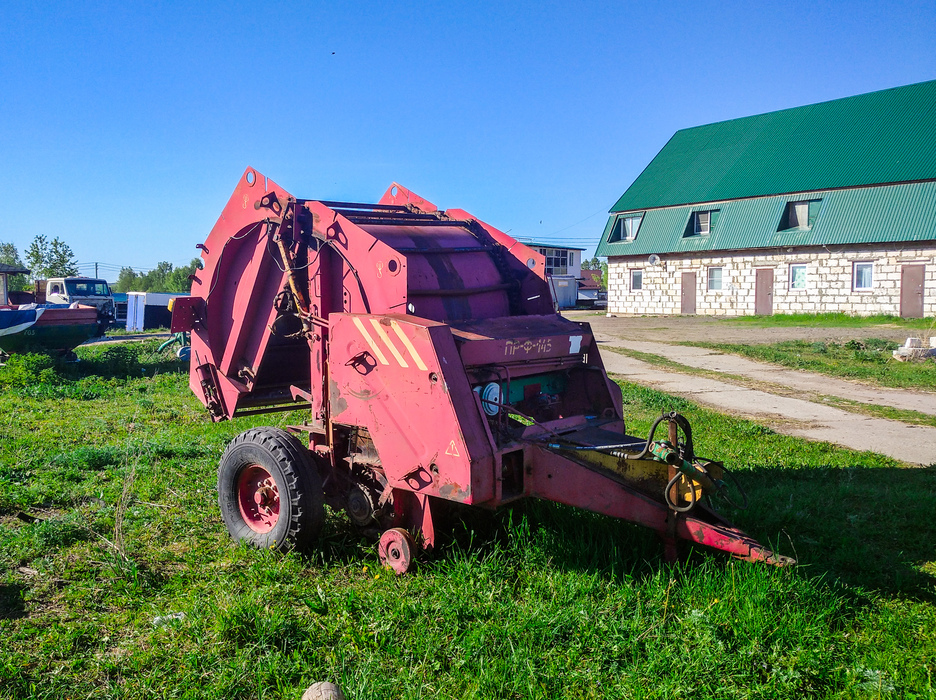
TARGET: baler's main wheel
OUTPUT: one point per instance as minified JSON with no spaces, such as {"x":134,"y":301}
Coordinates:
{"x":397,"y":550}
{"x":269,"y":491}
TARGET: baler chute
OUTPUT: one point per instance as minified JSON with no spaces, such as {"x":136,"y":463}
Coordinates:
{"x":427,"y":349}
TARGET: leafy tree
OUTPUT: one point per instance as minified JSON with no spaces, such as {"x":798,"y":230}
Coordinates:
{"x":157,"y":279}
{"x":10,"y":256}
{"x":128,"y":281}
{"x":593,"y":264}
{"x":596,"y":264}
{"x":178,"y":280}
{"x":50,"y":258}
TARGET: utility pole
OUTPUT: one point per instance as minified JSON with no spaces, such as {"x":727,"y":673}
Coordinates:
{"x":95,"y":269}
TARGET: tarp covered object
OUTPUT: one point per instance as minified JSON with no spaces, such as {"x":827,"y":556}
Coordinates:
{"x":12,"y":322}
{"x":17,"y":320}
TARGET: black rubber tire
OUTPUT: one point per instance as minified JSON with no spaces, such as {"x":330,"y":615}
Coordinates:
{"x":302,"y":503}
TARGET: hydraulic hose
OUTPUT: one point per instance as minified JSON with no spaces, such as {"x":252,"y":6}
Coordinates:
{"x":692,"y":491}
{"x":179,"y":338}
{"x":723,"y":491}
{"x":646,"y":448}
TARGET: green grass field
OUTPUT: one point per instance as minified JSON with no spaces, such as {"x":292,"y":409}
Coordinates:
{"x":118,"y":580}
{"x":868,"y":360}
{"x":836,"y":320}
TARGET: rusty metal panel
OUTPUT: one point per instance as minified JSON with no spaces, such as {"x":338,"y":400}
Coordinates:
{"x":402,"y":379}
{"x":236,"y":286}
{"x":185,"y":312}
{"x":523,"y":255}
{"x":451,"y":275}
{"x":523,"y":339}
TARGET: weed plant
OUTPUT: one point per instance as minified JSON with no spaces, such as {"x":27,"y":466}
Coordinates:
{"x":118,"y":580}
{"x":870,"y":360}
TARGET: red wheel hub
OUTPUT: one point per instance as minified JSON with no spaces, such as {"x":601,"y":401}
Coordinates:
{"x":396,"y":550}
{"x":258,"y":498}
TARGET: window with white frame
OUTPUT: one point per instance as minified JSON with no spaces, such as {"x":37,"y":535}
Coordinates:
{"x":625,"y":227}
{"x":862,"y":276}
{"x":715,"y":278}
{"x":700,"y":223}
{"x":631,"y":226}
{"x":557,"y":261}
{"x":636,"y":280}
{"x":797,"y":276}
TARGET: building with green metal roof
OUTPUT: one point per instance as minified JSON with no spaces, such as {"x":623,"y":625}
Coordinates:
{"x":827,"y":207}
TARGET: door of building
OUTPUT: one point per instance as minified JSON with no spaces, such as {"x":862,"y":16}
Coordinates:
{"x":763,"y":292}
{"x":688,"y":293}
{"x":911,"y":291}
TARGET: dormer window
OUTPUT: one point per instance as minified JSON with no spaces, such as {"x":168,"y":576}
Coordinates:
{"x":701,"y":223}
{"x":625,"y":228}
{"x":631,"y":224}
{"x":800,"y":215}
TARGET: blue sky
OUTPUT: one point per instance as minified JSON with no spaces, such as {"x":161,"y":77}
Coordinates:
{"x":124,"y":126}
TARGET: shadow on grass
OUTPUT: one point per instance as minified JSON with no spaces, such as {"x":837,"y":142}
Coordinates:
{"x":870,"y":529}
{"x":12,"y":606}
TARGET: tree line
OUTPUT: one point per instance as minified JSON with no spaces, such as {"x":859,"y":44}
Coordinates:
{"x":54,"y":258}
{"x":164,"y":278}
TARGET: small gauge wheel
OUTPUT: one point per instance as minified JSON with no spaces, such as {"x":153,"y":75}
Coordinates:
{"x":397,"y":550}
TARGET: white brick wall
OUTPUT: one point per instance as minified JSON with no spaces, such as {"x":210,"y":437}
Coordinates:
{"x":828,"y":282}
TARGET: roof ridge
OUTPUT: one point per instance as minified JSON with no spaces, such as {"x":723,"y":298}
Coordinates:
{"x":808,"y":104}
{"x":875,"y":138}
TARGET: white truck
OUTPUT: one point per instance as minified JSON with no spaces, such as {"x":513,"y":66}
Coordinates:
{"x":83,"y":290}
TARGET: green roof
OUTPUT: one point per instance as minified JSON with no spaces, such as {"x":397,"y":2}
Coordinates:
{"x":871,"y":139}
{"x":885,"y":214}
{"x":537,"y":244}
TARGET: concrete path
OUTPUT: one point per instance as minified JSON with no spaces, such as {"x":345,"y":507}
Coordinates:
{"x":787,"y":415}
{"x":810,"y":383}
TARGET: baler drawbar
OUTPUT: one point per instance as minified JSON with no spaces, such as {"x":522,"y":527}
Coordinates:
{"x":426,"y":347}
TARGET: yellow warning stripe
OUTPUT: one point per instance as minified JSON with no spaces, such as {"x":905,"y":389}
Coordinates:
{"x":409,"y":346}
{"x":386,"y":338}
{"x":378,"y":353}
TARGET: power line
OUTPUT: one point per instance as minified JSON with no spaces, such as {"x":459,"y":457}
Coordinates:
{"x":600,"y":211}
{"x":561,"y":238}
{"x":118,"y":268}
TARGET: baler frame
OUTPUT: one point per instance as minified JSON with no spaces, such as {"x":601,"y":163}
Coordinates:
{"x":428,"y":351}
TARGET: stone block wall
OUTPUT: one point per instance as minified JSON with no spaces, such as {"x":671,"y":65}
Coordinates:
{"x":829,"y":281}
